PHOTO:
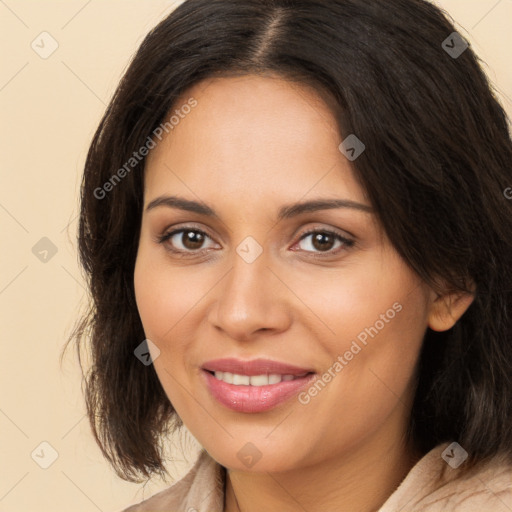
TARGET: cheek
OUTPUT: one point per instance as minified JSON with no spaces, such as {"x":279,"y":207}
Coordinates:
{"x":376,"y":321}
{"x":377,"y":351}
{"x":165,"y":297}
{"x":369,"y":371}
{"x":348,"y":303}
{"x":170,"y":300}
{"x":153,"y":298}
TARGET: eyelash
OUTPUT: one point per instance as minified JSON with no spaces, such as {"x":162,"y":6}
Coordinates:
{"x":346,"y":243}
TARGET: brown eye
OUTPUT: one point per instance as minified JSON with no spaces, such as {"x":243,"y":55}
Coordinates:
{"x":192,"y":239}
{"x":322,"y":241}
{"x":185,"y":240}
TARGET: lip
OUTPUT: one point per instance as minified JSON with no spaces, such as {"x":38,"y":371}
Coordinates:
{"x":253,"y":367}
{"x":254,"y":399}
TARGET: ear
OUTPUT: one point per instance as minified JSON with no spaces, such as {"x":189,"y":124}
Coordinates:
{"x":445,"y":310}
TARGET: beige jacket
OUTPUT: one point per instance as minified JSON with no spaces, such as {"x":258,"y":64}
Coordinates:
{"x":428,"y":487}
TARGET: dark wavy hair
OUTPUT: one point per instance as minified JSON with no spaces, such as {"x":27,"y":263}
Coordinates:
{"x":437,"y":161}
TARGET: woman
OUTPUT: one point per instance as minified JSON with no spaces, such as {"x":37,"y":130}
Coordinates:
{"x":294,"y":223}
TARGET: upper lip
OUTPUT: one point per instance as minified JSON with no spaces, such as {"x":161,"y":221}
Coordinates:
{"x":253,"y":367}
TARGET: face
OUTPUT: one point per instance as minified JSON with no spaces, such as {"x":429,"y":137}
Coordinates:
{"x":310,"y":318}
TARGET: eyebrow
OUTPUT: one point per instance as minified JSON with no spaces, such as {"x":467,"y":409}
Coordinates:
{"x":285,"y":212}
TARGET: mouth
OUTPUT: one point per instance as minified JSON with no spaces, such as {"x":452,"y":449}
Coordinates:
{"x":238,"y":379}
{"x":254,"y":386}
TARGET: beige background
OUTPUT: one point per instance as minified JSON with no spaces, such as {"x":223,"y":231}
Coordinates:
{"x":49,"y":110}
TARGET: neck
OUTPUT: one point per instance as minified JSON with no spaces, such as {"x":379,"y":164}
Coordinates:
{"x":361,"y":480}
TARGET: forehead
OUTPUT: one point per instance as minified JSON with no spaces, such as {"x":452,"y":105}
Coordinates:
{"x":259,"y":134}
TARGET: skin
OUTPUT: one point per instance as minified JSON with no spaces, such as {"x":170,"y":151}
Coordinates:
{"x":251,"y":145}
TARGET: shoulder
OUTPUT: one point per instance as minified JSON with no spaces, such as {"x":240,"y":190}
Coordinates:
{"x":202,"y":488}
{"x":433,"y":485}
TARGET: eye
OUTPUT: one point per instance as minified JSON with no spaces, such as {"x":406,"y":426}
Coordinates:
{"x":184,"y":240}
{"x":190,"y":240}
{"x":324,"y":241}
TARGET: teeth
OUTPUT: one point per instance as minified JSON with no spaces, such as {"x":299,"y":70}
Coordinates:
{"x":227,"y":377}
{"x":253,"y":380}
{"x":274,"y":378}
{"x":239,"y":380}
{"x":259,"y":380}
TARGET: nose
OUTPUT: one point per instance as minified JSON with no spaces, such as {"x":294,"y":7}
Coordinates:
{"x":249,"y":300}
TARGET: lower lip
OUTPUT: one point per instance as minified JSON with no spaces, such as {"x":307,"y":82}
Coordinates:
{"x":254,"y":398}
